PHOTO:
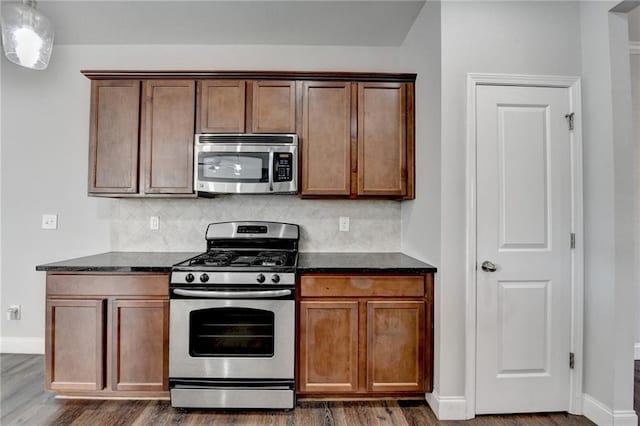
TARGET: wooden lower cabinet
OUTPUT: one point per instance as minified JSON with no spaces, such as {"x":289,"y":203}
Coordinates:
{"x":140,"y":344}
{"x":374,"y":338}
{"x":328,"y":346}
{"x":75,"y":335}
{"x":107,"y":335}
{"x":395,"y":346}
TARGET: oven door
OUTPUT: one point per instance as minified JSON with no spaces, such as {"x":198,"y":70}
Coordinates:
{"x":232,"y":338}
{"x":248,"y":169}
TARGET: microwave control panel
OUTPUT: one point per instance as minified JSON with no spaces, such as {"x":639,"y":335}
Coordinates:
{"x":283,"y":167}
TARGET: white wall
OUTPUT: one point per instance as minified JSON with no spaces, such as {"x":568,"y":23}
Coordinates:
{"x":45,"y":138}
{"x":609,"y":182}
{"x":1,"y":144}
{"x":44,"y":170}
{"x":634,"y":24}
{"x":421,"y":217}
{"x":635,"y":93}
{"x":485,"y":37}
{"x":634,"y":36}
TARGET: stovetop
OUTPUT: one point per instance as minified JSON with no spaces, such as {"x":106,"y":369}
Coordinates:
{"x":241,"y":260}
{"x":243,"y":253}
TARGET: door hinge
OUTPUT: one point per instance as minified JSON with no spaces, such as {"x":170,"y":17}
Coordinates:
{"x":573,"y":240}
{"x":572,"y":360}
{"x":569,"y":118}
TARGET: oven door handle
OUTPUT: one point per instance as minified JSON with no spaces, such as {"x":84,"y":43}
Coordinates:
{"x":231,"y":294}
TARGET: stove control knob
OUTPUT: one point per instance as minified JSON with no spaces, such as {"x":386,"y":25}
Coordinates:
{"x":204,"y":278}
{"x":260,"y":278}
{"x":275,"y":278}
{"x":189,"y":277}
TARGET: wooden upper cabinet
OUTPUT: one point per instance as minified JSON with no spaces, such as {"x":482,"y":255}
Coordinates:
{"x":382,"y":139}
{"x":395,"y":346}
{"x":328,"y":346}
{"x":221,"y":106}
{"x":326,"y":138}
{"x":167,"y":136}
{"x":113,"y":137}
{"x":140,"y":345}
{"x":356,"y":135}
{"x":273,"y":106}
{"x":357,"y":140}
{"x":239,"y":106}
{"x":74,"y":357}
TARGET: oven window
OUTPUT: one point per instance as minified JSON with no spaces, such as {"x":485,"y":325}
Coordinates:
{"x":234,"y":167}
{"x":230,"y":332}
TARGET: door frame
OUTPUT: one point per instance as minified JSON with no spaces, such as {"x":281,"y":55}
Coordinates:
{"x":577,"y":255}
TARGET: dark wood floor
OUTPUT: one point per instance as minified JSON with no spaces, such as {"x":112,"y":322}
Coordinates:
{"x":23,"y":401}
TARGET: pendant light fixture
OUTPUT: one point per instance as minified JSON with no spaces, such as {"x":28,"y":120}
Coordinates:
{"x":27,"y":35}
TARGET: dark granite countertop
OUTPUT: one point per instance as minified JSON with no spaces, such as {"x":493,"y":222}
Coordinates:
{"x":362,"y":263}
{"x":120,"y":261}
{"x":124,"y":261}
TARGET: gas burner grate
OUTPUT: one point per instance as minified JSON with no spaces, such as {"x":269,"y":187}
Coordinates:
{"x":237,"y":259}
{"x":271,"y":259}
{"x":213,"y":259}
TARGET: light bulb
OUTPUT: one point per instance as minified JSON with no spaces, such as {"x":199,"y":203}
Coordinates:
{"x":28,"y":45}
{"x":27,"y":35}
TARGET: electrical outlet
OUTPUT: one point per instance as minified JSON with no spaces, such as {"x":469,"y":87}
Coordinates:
{"x":344,"y":223}
{"x":13,"y":313}
{"x":49,"y":221}
{"x":154,"y":223}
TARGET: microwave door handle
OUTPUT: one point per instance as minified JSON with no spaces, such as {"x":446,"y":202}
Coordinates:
{"x":231,"y":294}
{"x":271,"y":166}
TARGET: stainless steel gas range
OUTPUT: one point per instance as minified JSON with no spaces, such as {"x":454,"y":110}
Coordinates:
{"x":232,"y":319}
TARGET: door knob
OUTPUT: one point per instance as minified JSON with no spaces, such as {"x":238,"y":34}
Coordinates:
{"x":489,"y":266}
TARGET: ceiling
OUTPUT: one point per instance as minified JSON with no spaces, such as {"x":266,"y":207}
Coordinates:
{"x":300,"y":22}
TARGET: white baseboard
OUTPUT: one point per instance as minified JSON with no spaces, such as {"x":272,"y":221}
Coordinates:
{"x":448,"y":407}
{"x":636,"y":351}
{"x":21,"y":345}
{"x":602,"y":415}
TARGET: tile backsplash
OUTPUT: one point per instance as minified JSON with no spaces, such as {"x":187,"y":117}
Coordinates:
{"x":374,"y":225}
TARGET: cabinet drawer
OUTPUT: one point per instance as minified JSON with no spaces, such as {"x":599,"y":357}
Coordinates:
{"x":108,"y":284}
{"x":361,"y":286}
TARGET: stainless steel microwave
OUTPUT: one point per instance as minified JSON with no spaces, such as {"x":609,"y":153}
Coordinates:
{"x":246,"y":163}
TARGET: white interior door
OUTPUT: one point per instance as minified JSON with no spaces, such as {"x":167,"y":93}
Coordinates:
{"x":524,"y":229}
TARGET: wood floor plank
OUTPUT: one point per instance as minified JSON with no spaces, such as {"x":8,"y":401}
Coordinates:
{"x":23,"y":401}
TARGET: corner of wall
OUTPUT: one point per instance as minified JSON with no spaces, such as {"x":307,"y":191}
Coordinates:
{"x":601,"y":414}
{"x":448,"y":407}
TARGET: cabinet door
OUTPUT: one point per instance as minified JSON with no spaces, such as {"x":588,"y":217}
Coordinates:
{"x":273,"y":107}
{"x":140,"y":345}
{"x":395,"y":346}
{"x":328,"y":346}
{"x":113,"y":136}
{"x":326,"y":138}
{"x":221,"y":106}
{"x":75,"y":359}
{"x":382,"y":145}
{"x":167,"y":136}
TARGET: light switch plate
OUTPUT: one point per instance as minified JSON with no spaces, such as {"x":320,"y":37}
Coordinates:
{"x":154,"y":223}
{"x":344,"y":223}
{"x":49,"y":221}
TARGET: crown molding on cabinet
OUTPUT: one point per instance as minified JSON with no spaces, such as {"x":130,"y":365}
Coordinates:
{"x":258,"y":75}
